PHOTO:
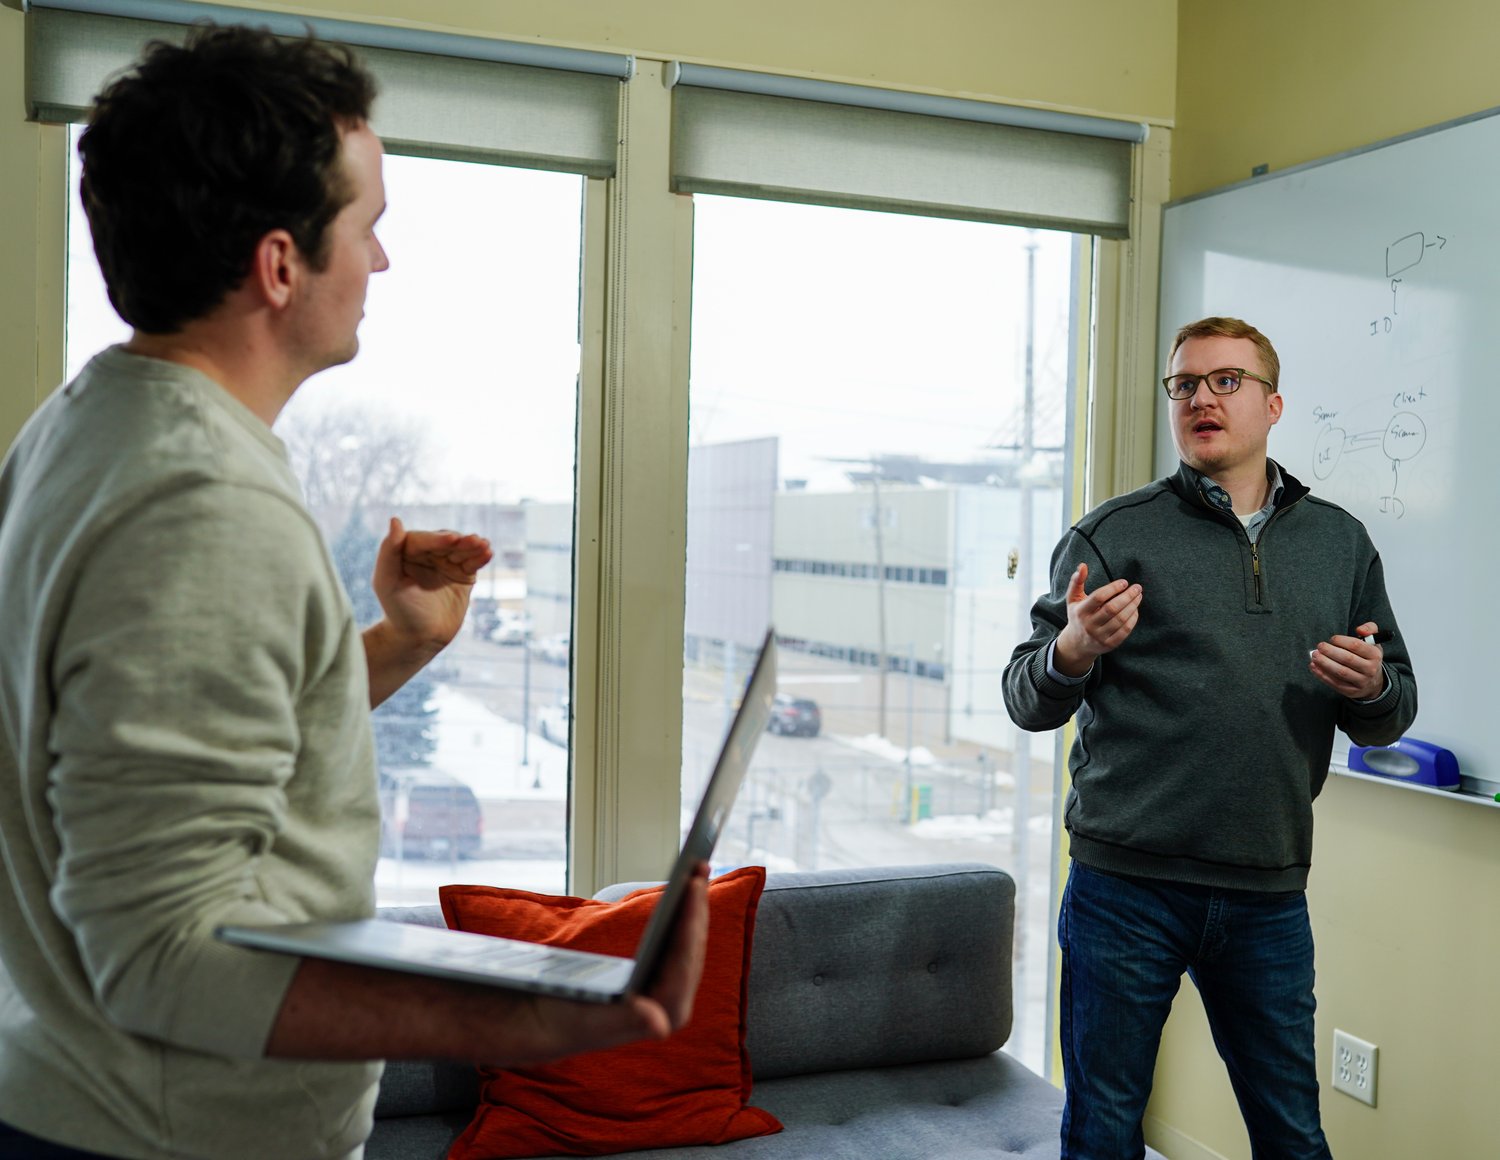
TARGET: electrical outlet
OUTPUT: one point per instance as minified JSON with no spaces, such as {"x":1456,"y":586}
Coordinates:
{"x":1354,"y":1063}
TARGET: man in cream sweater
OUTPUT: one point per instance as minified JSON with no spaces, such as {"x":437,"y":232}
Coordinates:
{"x":184,"y":696}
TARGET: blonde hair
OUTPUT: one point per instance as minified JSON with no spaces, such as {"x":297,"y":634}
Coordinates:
{"x":1233,"y":328}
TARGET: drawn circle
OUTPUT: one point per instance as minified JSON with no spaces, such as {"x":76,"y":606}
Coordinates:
{"x":1405,"y":435}
{"x":1326,"y":451}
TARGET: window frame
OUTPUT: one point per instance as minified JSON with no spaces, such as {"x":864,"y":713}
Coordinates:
{"x":630,"y":501}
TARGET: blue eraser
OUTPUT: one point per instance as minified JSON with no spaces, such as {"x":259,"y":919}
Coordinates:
{"x":1409,"y":760}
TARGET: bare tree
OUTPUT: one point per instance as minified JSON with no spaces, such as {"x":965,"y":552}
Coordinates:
{"x":351,"y":457}
{"x":355,"y":464}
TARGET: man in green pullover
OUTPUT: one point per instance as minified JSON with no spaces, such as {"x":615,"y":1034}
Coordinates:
{"x":184,"y":695}
{"x":1210,"y":631}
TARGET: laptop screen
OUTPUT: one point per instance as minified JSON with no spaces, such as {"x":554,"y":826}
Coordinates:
{"x":750,"y":721}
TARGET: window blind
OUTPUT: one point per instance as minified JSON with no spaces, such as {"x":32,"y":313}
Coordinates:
{"x":440,"y":95}
{"x":786,"y":139}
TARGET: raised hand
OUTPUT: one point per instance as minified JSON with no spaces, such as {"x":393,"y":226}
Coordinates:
{"x":1098,"y":621}
{"x":423,"y":581}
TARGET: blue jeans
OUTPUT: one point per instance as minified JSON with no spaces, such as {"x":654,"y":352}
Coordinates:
{"x":1125,"y":945}
{"x":17,"y":1145}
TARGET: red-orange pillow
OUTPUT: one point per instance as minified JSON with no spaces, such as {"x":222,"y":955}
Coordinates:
{"x":688,"y":1089}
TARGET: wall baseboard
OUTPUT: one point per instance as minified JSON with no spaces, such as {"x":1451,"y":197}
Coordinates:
{"x":1176,"y":1145}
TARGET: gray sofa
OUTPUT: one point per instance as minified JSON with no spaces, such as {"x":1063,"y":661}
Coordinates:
{"x":878,"y":1001}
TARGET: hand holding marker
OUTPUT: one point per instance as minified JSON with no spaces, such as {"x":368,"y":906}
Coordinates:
{"x":1348,"y":671}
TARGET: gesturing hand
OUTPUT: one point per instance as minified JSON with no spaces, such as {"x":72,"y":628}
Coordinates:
{"x":1098,"y":621}
{"x":1347,"y":665}
{"x":423,"y":580}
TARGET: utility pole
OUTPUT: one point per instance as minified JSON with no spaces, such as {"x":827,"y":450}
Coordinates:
{"x":526,"y":696}
{"x":911,"y":672}
{"x":885,"y":664}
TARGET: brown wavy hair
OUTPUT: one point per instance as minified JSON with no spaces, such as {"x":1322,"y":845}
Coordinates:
{"x":201,"y":149}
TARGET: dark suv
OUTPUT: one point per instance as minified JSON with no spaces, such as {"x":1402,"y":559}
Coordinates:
{"x":794,"y":716}
{"x":427,"y":813}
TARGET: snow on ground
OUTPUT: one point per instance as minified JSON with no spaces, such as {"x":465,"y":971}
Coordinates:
{"x":484,"y":749}
{"x":878,"y":746}
{"x":996,"y":823}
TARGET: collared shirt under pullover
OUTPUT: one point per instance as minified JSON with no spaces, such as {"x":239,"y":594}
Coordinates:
{"x":1203,"y":739}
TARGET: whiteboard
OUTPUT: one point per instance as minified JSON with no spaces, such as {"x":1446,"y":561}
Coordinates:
{"x":1376,"y":275}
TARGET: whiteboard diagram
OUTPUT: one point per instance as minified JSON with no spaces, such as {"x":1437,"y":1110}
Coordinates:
{"x":1377,"y":276}
{"x":1400,"y":442}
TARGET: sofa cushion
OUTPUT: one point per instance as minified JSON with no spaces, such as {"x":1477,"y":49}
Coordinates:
{"x":993,"y":1108}
{"x":689,"y":1089}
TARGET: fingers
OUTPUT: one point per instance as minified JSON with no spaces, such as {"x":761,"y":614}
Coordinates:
{"x":451,"y":555}
{"x":677,"y":984}
{"x":558,"y":1028}
{"x":1075,"y":584}
{"x":388,"y":557}
{"x":1109,"y":614}
{"x":1349,"y":666}
{"x":584,"y":1027}
{"x":1098,"y":623}
{"x":1110,"y":610}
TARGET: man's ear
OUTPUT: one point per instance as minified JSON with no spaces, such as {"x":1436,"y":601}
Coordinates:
{"x":276,"y":267}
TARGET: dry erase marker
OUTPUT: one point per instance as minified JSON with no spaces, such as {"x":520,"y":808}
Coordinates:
{"x":1380,"y":637}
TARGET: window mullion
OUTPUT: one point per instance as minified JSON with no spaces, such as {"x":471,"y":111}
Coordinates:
{"x":626,"y":768}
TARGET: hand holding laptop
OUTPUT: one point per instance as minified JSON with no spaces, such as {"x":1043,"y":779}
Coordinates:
{"x":566,"y":1026}
{"x":338,"y":1010}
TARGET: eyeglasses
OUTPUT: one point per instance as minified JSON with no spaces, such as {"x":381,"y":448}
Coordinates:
{"x":1224,"y":381}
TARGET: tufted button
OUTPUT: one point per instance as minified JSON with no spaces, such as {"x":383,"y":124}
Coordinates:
{"x":817,"y":980}
{"x":932,"y":968}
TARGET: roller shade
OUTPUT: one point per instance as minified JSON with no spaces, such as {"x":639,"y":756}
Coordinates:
{"x":433,"y":103}
{"x":817,"y":147}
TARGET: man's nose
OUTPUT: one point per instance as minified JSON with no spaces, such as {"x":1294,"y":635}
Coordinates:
{"x":1201,"y":395}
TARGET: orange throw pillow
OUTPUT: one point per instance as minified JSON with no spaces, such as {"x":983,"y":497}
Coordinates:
{"x":689,"y":1089}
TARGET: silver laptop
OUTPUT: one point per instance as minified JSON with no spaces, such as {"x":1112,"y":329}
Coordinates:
{"x":527,"y":966}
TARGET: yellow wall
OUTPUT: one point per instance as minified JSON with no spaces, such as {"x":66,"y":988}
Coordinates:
{"x":1402,"y":884}
{"x":1280,"y":82}
{"x":31,"y":245}
{"x":1091,"y":55}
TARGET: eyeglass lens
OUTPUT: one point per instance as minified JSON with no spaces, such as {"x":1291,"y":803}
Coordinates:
{"x":1221,"y":382}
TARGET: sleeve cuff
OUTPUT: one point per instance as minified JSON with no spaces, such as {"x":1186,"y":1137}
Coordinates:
{"x":1068,"y":682}
{"x":1387,"y":698}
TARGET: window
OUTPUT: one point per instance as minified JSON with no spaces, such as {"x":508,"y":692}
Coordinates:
{"x":460,"y":411}
{"x":863,"y":392}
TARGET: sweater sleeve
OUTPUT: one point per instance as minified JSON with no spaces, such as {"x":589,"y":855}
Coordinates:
{"x":1034,"y":699}
{"x":177,"y":672}
{"x":1383,"y":720}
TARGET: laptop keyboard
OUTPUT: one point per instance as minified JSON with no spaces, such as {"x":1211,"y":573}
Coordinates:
{"x":540,"y":962}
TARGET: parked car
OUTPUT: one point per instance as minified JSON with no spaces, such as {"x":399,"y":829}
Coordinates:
{"x":552,"y":721}
{"x":484,"y":614}
{"x":554,"y":649}
{"x":510,"y":629}
{"x":427,"y":813}
{"x":794,"y":716}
